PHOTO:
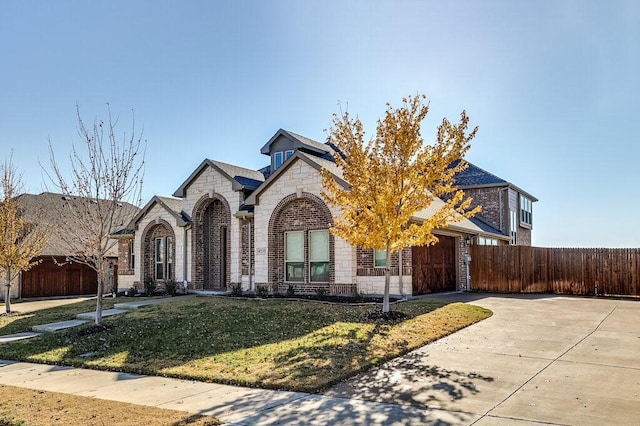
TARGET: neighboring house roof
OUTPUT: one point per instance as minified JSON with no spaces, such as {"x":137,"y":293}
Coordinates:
{"x":239,"y":176}
{"x":485,"y":226}
{"x":298,"y":142}
{"x":477,"y":177}
{"x":48,"y":208}
{"x":172,"y":205}
{"x":317,"y":163}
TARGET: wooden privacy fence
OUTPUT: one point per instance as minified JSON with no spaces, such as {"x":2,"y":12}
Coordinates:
{"x":584,"y":271}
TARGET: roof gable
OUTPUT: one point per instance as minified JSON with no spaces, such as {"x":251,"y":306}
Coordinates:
{"x":315,"y":162}
{"x":298,"y":142}
{"x":239,"y":177}
{"x":171,"y":205}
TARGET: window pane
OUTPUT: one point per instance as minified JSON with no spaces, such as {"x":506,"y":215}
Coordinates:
{"x":380,"y":258}
{"x":159,"y":249}
{"x":277,"y":160}
{"x":159,"y":271}
{"x":294,"y":246}
{"x":288,"y":154}
{"x":295,"y":271}
{"x":132,"y":255}
{"x":169,"y":249}
{"x":319,"y":246}
{"x":319,"y":271}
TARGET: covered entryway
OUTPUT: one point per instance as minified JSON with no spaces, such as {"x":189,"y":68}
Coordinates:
{"x":212,"y":245}
{"x":58,"y":278}
{"x":434,"y":267}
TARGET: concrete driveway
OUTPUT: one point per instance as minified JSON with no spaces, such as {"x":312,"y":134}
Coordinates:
{"x":539,"y":359}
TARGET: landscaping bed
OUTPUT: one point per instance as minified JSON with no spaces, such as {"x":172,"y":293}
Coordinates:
{"x":269,"y":343}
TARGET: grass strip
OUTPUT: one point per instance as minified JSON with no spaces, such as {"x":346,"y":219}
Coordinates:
{"x":277,"y":344}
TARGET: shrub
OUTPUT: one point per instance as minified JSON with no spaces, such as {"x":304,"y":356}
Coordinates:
{"x":291,"y":290}
{"x":131,"y":292}
{"x":262,"y":292}
{"x":149,"y":285}
{"x":171,"y":287}
{"x":321,"y":293}
{"x":359,"y":297}
{"x":236,"y":289}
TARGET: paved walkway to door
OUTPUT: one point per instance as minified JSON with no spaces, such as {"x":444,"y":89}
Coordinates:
{"x":547,"y":359}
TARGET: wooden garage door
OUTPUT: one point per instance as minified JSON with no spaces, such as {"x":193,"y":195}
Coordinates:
{"x":49,"y":279}
{"x":434,"y":267}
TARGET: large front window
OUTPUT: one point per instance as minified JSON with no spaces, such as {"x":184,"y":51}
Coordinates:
{"x":294,"y":255}
{"x":319,"y":256}
{"x":317,"y":261}
{"x":164,"y":258}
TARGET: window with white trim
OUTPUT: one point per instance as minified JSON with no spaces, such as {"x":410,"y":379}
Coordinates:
{"x":163,"y":258}
{"x":132,"y":255}
{"x":287,"y":154}
{"x":319,"y":256}
{"x":294,"y":255}
{"x":514,"y":226}
{"x":526,"y":210}
{"x":277,"y":160}
{"x":379,"y":258}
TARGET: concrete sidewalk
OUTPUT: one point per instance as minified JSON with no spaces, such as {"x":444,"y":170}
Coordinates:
{"x":82,"y":318}
{"x":231,"y":404}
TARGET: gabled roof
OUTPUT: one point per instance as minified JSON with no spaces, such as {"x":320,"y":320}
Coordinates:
{"x":171,"y":205}
{"x":315,"y":162}
{"x":239,"y":176}
{"x":299,"y":142}
{"x":464,"y":225}
{"x":476,"y":177}
{"x":51,"y":209}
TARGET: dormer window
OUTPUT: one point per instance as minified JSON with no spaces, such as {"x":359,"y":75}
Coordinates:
{"x":288,"y":154}
{"x":277,"y":160}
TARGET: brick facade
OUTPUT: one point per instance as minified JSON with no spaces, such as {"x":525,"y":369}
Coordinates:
{"x":211,"y":243}
{"x":157,"y":229}
{"x":304,"y":213}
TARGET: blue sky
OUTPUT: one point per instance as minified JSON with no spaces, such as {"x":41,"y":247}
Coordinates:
{"x":552,"y":85}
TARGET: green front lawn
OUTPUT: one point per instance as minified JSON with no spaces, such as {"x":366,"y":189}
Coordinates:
{"x":302,"y":346}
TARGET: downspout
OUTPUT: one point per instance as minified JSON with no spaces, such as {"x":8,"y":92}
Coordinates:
{"x":250,"y":258}
{"x":401,"y":269}
{"x":185,"y":283}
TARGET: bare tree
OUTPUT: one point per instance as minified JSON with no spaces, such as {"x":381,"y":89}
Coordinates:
{"x":21,"y":240}
{"x":102,"y":191}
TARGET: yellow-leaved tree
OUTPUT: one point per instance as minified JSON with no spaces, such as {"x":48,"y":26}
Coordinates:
{"x":393,"y":177}
{"x":21,"y":240}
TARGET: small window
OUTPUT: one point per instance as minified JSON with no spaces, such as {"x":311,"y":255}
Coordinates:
{"x":132,"y":255}
{"x":287,"y":154}
{"x":294,"y":256}
{"x":526,"y":210}
{"x":380,"y":258}
{"x":159,"y":256}
{"x":514,"y":226}
{"x":169,"y":257}
{"x":277,"y":160}
{"x":319,"y":256}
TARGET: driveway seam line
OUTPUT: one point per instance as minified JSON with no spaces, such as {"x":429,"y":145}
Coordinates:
{"x":547,"y":366}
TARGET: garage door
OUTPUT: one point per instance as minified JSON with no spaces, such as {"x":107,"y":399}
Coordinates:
{"x":434,"y":267}
{"x":50,"y":279}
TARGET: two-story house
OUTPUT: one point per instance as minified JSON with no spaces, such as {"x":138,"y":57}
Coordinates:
{"x":227,"y":225}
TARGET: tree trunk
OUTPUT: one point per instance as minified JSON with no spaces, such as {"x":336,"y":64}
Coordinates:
{"x":99,"y":298}
{"x":7,"y":296}
{"x":387,"y":282}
